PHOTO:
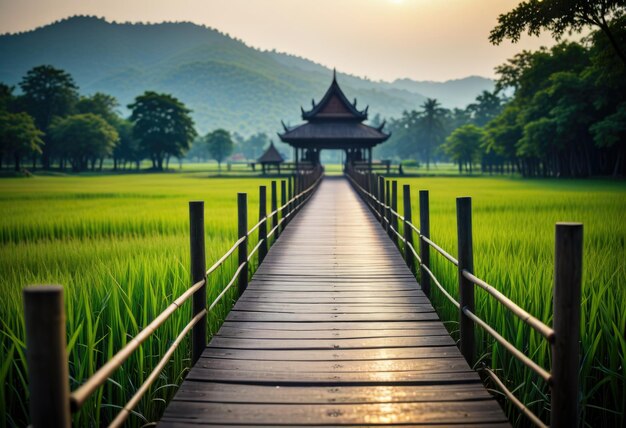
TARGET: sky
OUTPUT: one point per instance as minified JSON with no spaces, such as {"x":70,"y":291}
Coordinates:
{"x":378,"y":39}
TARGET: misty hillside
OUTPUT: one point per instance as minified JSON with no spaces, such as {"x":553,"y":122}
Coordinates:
{"x":225,"y":82}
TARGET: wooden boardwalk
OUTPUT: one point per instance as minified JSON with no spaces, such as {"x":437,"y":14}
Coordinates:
{"x":333,"y":330}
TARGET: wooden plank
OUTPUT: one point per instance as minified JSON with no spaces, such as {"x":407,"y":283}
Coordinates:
{"x":442,"y":365}
{"x":243,"y":393}
{"x":304,"y":308}
{"x":332,"y":355}
{"x":334,"y":326}
{"x":337,"y":343}
{"x":289,"y":317}
{"x":227,"y":331}
{"x":332,"y":378}
{"x":450,"y":412}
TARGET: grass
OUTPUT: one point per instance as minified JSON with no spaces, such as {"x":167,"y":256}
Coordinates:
{"x":119,"y":245}
{"x":513,"y":234}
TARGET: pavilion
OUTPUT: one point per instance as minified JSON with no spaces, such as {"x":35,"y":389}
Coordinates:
{"x":271,"y":158}
{"x":334,"y":123}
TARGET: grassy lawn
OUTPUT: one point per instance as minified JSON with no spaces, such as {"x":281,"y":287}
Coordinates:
{"x":119,"y":245}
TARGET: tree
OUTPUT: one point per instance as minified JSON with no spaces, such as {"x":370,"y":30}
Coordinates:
{"x":19,"y":136}
{"x":6,"y":97}
{"x":431,"y":128}
{"x":83,"y":138}
{"x":463,"y":145}
{"x":253,"y":147}
{"x":47,"y":92}
{"x":220,"y":145}
{"x":127,"y":149}
{"x":487,"y":106}
{"x":502,"y":135}
{"x":162,"y":125}
{"x":610,"y":132}
{"x":103,"y":105}
{"x":559,"y":17}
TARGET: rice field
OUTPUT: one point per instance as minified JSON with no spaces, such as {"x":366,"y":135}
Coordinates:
{"x":119,"y":245}
{"x":513,"y":235}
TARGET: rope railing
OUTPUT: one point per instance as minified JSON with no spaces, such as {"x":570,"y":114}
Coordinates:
{"x":154,"y":374}
{"x":533,"y":322}
{"x":513,"y":399}
{"x":53,"y":403}
{"x":78,"y":397}
{"x":230,"y":284}
{"x":440,"y":250}
{"x":563,"y":336}
{"x":222,"y":259}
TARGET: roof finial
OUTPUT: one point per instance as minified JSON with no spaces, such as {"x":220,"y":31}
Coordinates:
{"x":334,"y":75}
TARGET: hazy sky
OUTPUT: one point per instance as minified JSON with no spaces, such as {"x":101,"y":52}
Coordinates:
{"x":380,"y":39}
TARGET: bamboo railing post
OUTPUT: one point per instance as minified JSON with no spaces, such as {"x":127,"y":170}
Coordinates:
{"x":381,"y":199}
{"x":394,"y":206}
{"x":263,"y":225}
{"x":568,"y":259}
{"x":242,"y":227}
{"x":283,"y":201}
{"x":408,"y":232}
{"x":198,"y":273}
{"x":46,"y":355}
{"x":273,"y":208}
{"x":424,"y":247}
{"x":466,"y":262}
{"x":387,"y":209}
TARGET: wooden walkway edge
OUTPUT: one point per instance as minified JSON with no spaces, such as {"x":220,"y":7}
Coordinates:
{"x":333,"y":330}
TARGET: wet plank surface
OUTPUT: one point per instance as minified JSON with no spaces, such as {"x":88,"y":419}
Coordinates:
{"x":333,"y":330}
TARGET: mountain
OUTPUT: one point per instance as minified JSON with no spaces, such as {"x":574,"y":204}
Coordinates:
{"x":225,"y":82}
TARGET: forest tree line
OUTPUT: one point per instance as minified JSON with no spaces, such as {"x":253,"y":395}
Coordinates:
{"x":49,"y":125}
{"x":564,"y":116}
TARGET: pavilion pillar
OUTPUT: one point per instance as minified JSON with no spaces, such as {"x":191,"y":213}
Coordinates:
{"x":297,"y":156}
{"x":369,"y":158}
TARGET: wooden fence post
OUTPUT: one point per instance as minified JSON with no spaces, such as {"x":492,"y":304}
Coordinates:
{"x":242,"y":227}
{"x":263,"y":225}
{"x":198,"y":273}
{"x":381,"y":199}
{"x":387,"y":202}
{"x":274,"y":207}
{"x":568,"y":263}
{"x":48,"y":378}
{"x":290,"y":206}
{"x":408,"y":232}
{"x":466,"y":262}
{"x":394,"y":207}
{"x":283,"y":202}
{"x":424,"y":247}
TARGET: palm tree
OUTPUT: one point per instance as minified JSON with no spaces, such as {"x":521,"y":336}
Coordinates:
{"x":431,"y":127}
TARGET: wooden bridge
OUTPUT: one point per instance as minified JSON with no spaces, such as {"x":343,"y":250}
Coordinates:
{"x":333,"y":329}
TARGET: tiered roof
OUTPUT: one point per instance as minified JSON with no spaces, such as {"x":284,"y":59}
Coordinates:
{"x":271,"y":155}
{"x":334,"y":122}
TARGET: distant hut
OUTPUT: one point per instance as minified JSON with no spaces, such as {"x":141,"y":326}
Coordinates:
{"x":271,"y":158}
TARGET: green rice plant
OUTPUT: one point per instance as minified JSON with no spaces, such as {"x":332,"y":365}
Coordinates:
{"x":513,"y":235}
{"x":119,"y":245}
